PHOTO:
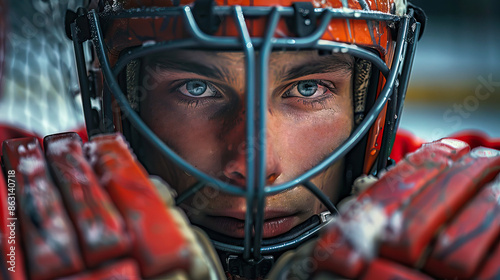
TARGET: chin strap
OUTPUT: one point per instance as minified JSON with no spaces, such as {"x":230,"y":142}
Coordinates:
{"x":238,"y":268}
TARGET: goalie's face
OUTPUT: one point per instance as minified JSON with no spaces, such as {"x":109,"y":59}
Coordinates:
{"x":196,"y":105}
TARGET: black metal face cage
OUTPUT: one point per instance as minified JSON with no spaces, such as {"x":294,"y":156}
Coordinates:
{"x":88,"y":27}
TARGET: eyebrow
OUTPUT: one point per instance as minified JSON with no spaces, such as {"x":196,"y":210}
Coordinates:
{"x":182,"y":65}
{"x":326,"y":64}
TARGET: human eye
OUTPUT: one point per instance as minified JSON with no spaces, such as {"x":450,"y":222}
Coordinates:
{"x":198,"y":89}
{"x":309,"y":89}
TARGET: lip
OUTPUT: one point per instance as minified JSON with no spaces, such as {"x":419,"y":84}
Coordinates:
{"x":232,"y":223}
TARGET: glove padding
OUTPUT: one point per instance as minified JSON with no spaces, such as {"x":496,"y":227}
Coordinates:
{"x":113,"y":222}
{"x":436,"y":214}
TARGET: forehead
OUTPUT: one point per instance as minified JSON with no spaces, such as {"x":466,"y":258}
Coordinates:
{"x":284,"y":58}
{"x":282,"y":65}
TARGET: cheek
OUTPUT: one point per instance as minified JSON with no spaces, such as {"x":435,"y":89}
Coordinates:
{"x":303,"y":144}
{"x":191,"y":136}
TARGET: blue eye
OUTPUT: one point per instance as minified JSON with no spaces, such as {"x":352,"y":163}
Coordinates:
{"x":196,"y":87}
{"x":307,"y":88}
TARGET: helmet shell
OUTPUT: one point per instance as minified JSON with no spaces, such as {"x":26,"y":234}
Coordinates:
{"x":124,"y":33}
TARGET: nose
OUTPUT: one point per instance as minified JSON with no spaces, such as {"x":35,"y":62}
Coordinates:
{"x":235,"y":168}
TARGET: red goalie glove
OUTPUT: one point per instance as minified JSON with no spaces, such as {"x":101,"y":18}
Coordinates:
{"x":436,"y":214}
{"x":91,"y":212}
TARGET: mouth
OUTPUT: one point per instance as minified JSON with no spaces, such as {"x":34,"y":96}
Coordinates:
{"x":233,"y":224}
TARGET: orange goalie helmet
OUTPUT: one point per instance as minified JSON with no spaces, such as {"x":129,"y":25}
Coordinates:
{"x":381,"y":36}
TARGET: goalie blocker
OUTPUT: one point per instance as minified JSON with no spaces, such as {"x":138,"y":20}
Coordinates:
{"x":91,"y":212}
{"x":436,"y":214}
